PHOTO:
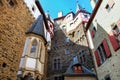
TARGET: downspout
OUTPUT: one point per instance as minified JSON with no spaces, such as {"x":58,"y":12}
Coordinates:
{"x":90,"y":51}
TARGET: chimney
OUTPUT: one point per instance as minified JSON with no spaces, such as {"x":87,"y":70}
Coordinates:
{"x":60,"y":14}
{"x":93,"y":3}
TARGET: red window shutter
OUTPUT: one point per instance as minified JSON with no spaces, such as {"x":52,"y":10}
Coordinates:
{"x":78,"y":71}
{"x":106,"y":47}
{"x":97,"y":58}
{"x":113,"y":40}
{"x":92,"y":33}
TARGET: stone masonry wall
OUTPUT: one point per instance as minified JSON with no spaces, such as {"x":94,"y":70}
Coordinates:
{"x":14,"y":22}
{"x":59,"y":47}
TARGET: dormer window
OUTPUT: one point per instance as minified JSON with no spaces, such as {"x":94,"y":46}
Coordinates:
{"x":77,"y":69}
{"x":33,"y":48}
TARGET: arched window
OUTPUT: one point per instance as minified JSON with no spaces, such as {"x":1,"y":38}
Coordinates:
{"x":33,"y":48}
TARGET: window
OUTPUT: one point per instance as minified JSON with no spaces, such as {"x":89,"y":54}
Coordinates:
{"x":107,"y":77}
{"x":114,"y":36}
{"x":78,"y":33}
{"x":82,"y":57}
{"x":76,"y":20}
{"x":67,"y":51}
{"x":93,"y":31}
{"x":56,"y":43}
{"x":4,"y":65}
{"x":110,"y":5}
{"x":57,"y":64}
{"x":67,"y":40}
{"x":11,"y":3}
{"x":116,"y":32}
{"x":102,"y":53}
{"x":33,"y":48}
{"x":77,"y":69}
{"x":58,"y":78}
{"x":73,"y":34}
{"x":71,"y":24}
{"x":33,"y":8}
{"x":86,"y":16}
{"x":75,"y":59}
{"x":63,"y":27}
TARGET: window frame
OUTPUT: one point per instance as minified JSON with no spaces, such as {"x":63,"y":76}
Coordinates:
{"x":11,"y":3}
{"x":109,"y":6}
{"x":34,"y":46}
{"x":67,"y":51}
{"x":56,"y":64}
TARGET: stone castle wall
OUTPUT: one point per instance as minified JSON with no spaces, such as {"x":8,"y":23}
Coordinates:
{"x":14,"y":22}
{"x":75,"y":46}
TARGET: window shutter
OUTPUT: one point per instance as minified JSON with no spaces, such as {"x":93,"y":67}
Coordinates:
{"x":106,"y":47}
{"x":97,"y":58}
{"x":92,"y":33}
{"x":113,"y":40}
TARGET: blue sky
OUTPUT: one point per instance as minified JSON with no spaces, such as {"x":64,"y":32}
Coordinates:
{"x":54,"y":6}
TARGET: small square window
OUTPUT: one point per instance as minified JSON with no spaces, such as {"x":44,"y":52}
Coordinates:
{"x":86,"y":16}
{"x":67,"y":51}
{"x":108,"y":7}
{"x":67,"y":40}
{"x":107,"y":77}
{"x":33,"y":8}
{"x":10,"y":2}
{"x":4,"y":65}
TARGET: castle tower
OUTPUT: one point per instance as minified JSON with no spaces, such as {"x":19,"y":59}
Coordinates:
{"x":33,"y":59}
{"x":69,"y":41}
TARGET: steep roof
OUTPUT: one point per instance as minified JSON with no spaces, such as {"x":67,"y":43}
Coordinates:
{"x":85,"y":72}
{"x":37,"y":27}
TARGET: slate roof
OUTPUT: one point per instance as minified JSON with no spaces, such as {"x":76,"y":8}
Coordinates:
{"x":85,"y":72}
{"x":37,"y":27}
